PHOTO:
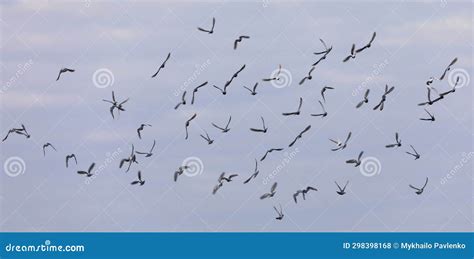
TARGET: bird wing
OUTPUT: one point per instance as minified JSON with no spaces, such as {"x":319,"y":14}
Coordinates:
{"x":91,"y":167}
{"x":274,"y":186}
{"x":426,"y":182}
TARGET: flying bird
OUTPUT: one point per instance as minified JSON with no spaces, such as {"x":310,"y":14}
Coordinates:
{"x":220,"y":181}
{"x":365,"y":100}
{"x":212,"y":28}
{"x":300,"y":135}
{"x":448,"y":68}
{"x":352,"y":55}
{"x":139,"y":130}
{"x":149,"y":153}
{"x":162,"y":65}
{"x":430,"y":101}
{"x":452,"y":89}
{"x":130,"y":160}
{"x":271,"y":193}
{"x":309,"y":76}
{"x":341,"y":145}
{"x":263,"y":129}
{"x":64,"y":70}
{"x":296,"y":112}
{"x":341,"y":191}
{"x":368,"y":44}
{"x":47,"y":145}
{"x":179,"y":172}
{"x":324,"y":53}
{"x":19,"y":131}
{"x":431,"y":118}
{"x":115,"y":104}
{"x":253,"y":90}
{"x":239,"y":40}
{"x":303,"y":192}
{"x":357,"y":161}
{"x":279,"y":212}
{"x":255,"y":173}
{"x":196,"y":89}
{"x":384,"y":97}
{"x":274,"y":78}
{"x":414,"y":154}
{"x":69,"y":157}
{"x":139,"y":181}
{"x":186,"y":125}
{"x":322,"y":115}
{"x":207,"y":138}
{"x":324,"y":90}
{"x":89,"y":171}
{"x":398,"y":142}
{"x":183,"y":101}
{"x":270,"y":151}
{"x":419,"y":190}
{"x":226,"y":128}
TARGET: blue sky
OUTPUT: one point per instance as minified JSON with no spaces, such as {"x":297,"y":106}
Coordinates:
{"x":130,"y":39}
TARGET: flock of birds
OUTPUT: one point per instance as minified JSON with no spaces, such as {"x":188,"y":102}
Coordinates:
{"x":127,"y":162}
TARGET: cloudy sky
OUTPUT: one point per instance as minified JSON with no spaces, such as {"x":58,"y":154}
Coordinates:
{"x":117,"y":46}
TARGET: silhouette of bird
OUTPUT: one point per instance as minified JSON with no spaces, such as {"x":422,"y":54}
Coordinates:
{"x":365,"y":100}
{"x":300,"y":135}
{"x":47,"y":145}
{"x":263,"y":129}
{"x":253,"y":90}
{"x":352,"y":55}
{"x":303,"y":192}
{"x":255,"y":173}
{"x":431,"y":118}
{"x":19,"y":131}
{"x":430,"y":101}
{"x":179,"y":172}
{"x":419,"y":190}
{"x":139,"y":181}
{"x":368,"y":44}
{"x":162,"y":65}
{"x":196,"y":89}
{"x":239,"y":40}
{"x":357,"y":161}
{"x":341,"y":145}
{"x":183,"y":101}
{"x":296,"y":112}
{"x":448,"y":68}
{"x":323,"y":114}
{"x":139,"y":130}
{"x":89,"y":171}
{"x":64,"y":70}
{"x":341,"y":191}
{"x":274,"y":78}
{"x":115,"y":104}
{"x":326,"y":51}
{"x":149,"y":153}
{"x":309,"y":76}
{"x":130,"y":160}
{"x":279,"y":212}
{"x":226,"y":128}
{"x":398,"y":142}
{"x":69,"y":157}
{"x":384,"y":97}
{"x":324,"y":90}
{"x":220,"y":181}
{"x":270,"y":151}
{"x":271,"y":193}
{"x":207,"y":138}
{"x":414,"y":154}
{"x":186,"y":125}
{"x":212,"y":28}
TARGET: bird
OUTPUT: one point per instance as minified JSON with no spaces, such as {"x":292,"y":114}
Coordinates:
{"x":368,"y":44}
{"x":186,"y":125}
{"x":274,"y":78}
{"x":183,"y":101}
{"x":448,"y":68}
{"x":179,"y":172}
{"x":139,"y":181}
{"x":207,"y":138}
{"x":226,"y":128}
{"x":47,"y":145}
{"x":149,"y":153}
{"x":398,"y":142}
{"x":300,"y":135}
{"x":279,"y":212}
{"x":255,"y":173}
{"x":139,"y":130}
{"x":384,"y":97}
{"x":235,"y":75}
{"x":271,"y":193}
{"x":357,"y":161}
{"x":322,"y":115}
{"x":419,"y":190}
{"x":431,"y":118}
{"x":308,"y":77}
{"x":341,"y":145}
{"x":352,"y":55}
{"x":64,"y":70}
{"x":239,"y":40}
{"x":220,"y":181}
{"x":270,"y":151}
{"x":212,"y":28}
{"x":452,"y":90}
{"x":365,"y":100}
{"x":162,"y":65}
{"x":341,"y":191}
{"x":431,"y":101}
{"x":414,"y":154}
{"x":296,"y":112}
{"x":69,"y":157}
{"x":253,"y":90}
{"x":324,"y":53}
{"x":196,"y":89}
{"x":325,"y":88}
{"x":263,"y":129}
{"x":130,"y":160}
{"x":20,"y":131}
{"x":303,"y":192}
{"x":115,"y":104}
{"x":88,"y":173}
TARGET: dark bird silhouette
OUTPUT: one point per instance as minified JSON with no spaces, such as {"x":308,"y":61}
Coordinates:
{"x":384,"y":97}
{"x":341,"y":191}
{"x":183,"y":101}
{"x":115,"y":104}
{"x":303,"y":192}
{"x":263,"y":129}
{"x":341,"y":145}
{"x":226,"y":128}
{"x":279,"y":212}
{"x":352,"y":55}
{"x":179,"y":172}
{"x":431,"y":101}
{"x":186,"y":125}
{"x":255,"y":173}
{"x":398,"y":142}
{"x":296,"y":112}
{"x":139,"y":181}
{"x":19,"y":131}
{"x":207,"y":138}
{"x":271,"y":193}
{"x":69,"y":157}
{"x":130,"y":160}
{"x":220,"y":181}
{"x":239,"y":40}
{"x":139,"y":130}
{"x":309,"y":76}
{"x":414,"y":154}
{"x":162,"y":65}
{"x":431,"y":118}
{"x":149,"y":153}
{"x":212,"y":28}
{"x":448,"y":68}
{"x":419,"y":190}
{"x":196,"y":89}
{"x":253,"y":90}
{"x":452,"y":90}
{"x":326,"y":51}
{"x":64,"y":70}
{"x":368,"y":44}
{"x":270,"y":151}
{"x":357,"y":161}
{"x":300,"y":135}
{"x":235,"y":75}
{"x":47,"y":145}
{"x":324,"y":90}
{"x":365,"y":100}
{"x":323,"y":114}
{"x":89,"y":171}
{"x":274,"y":78}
